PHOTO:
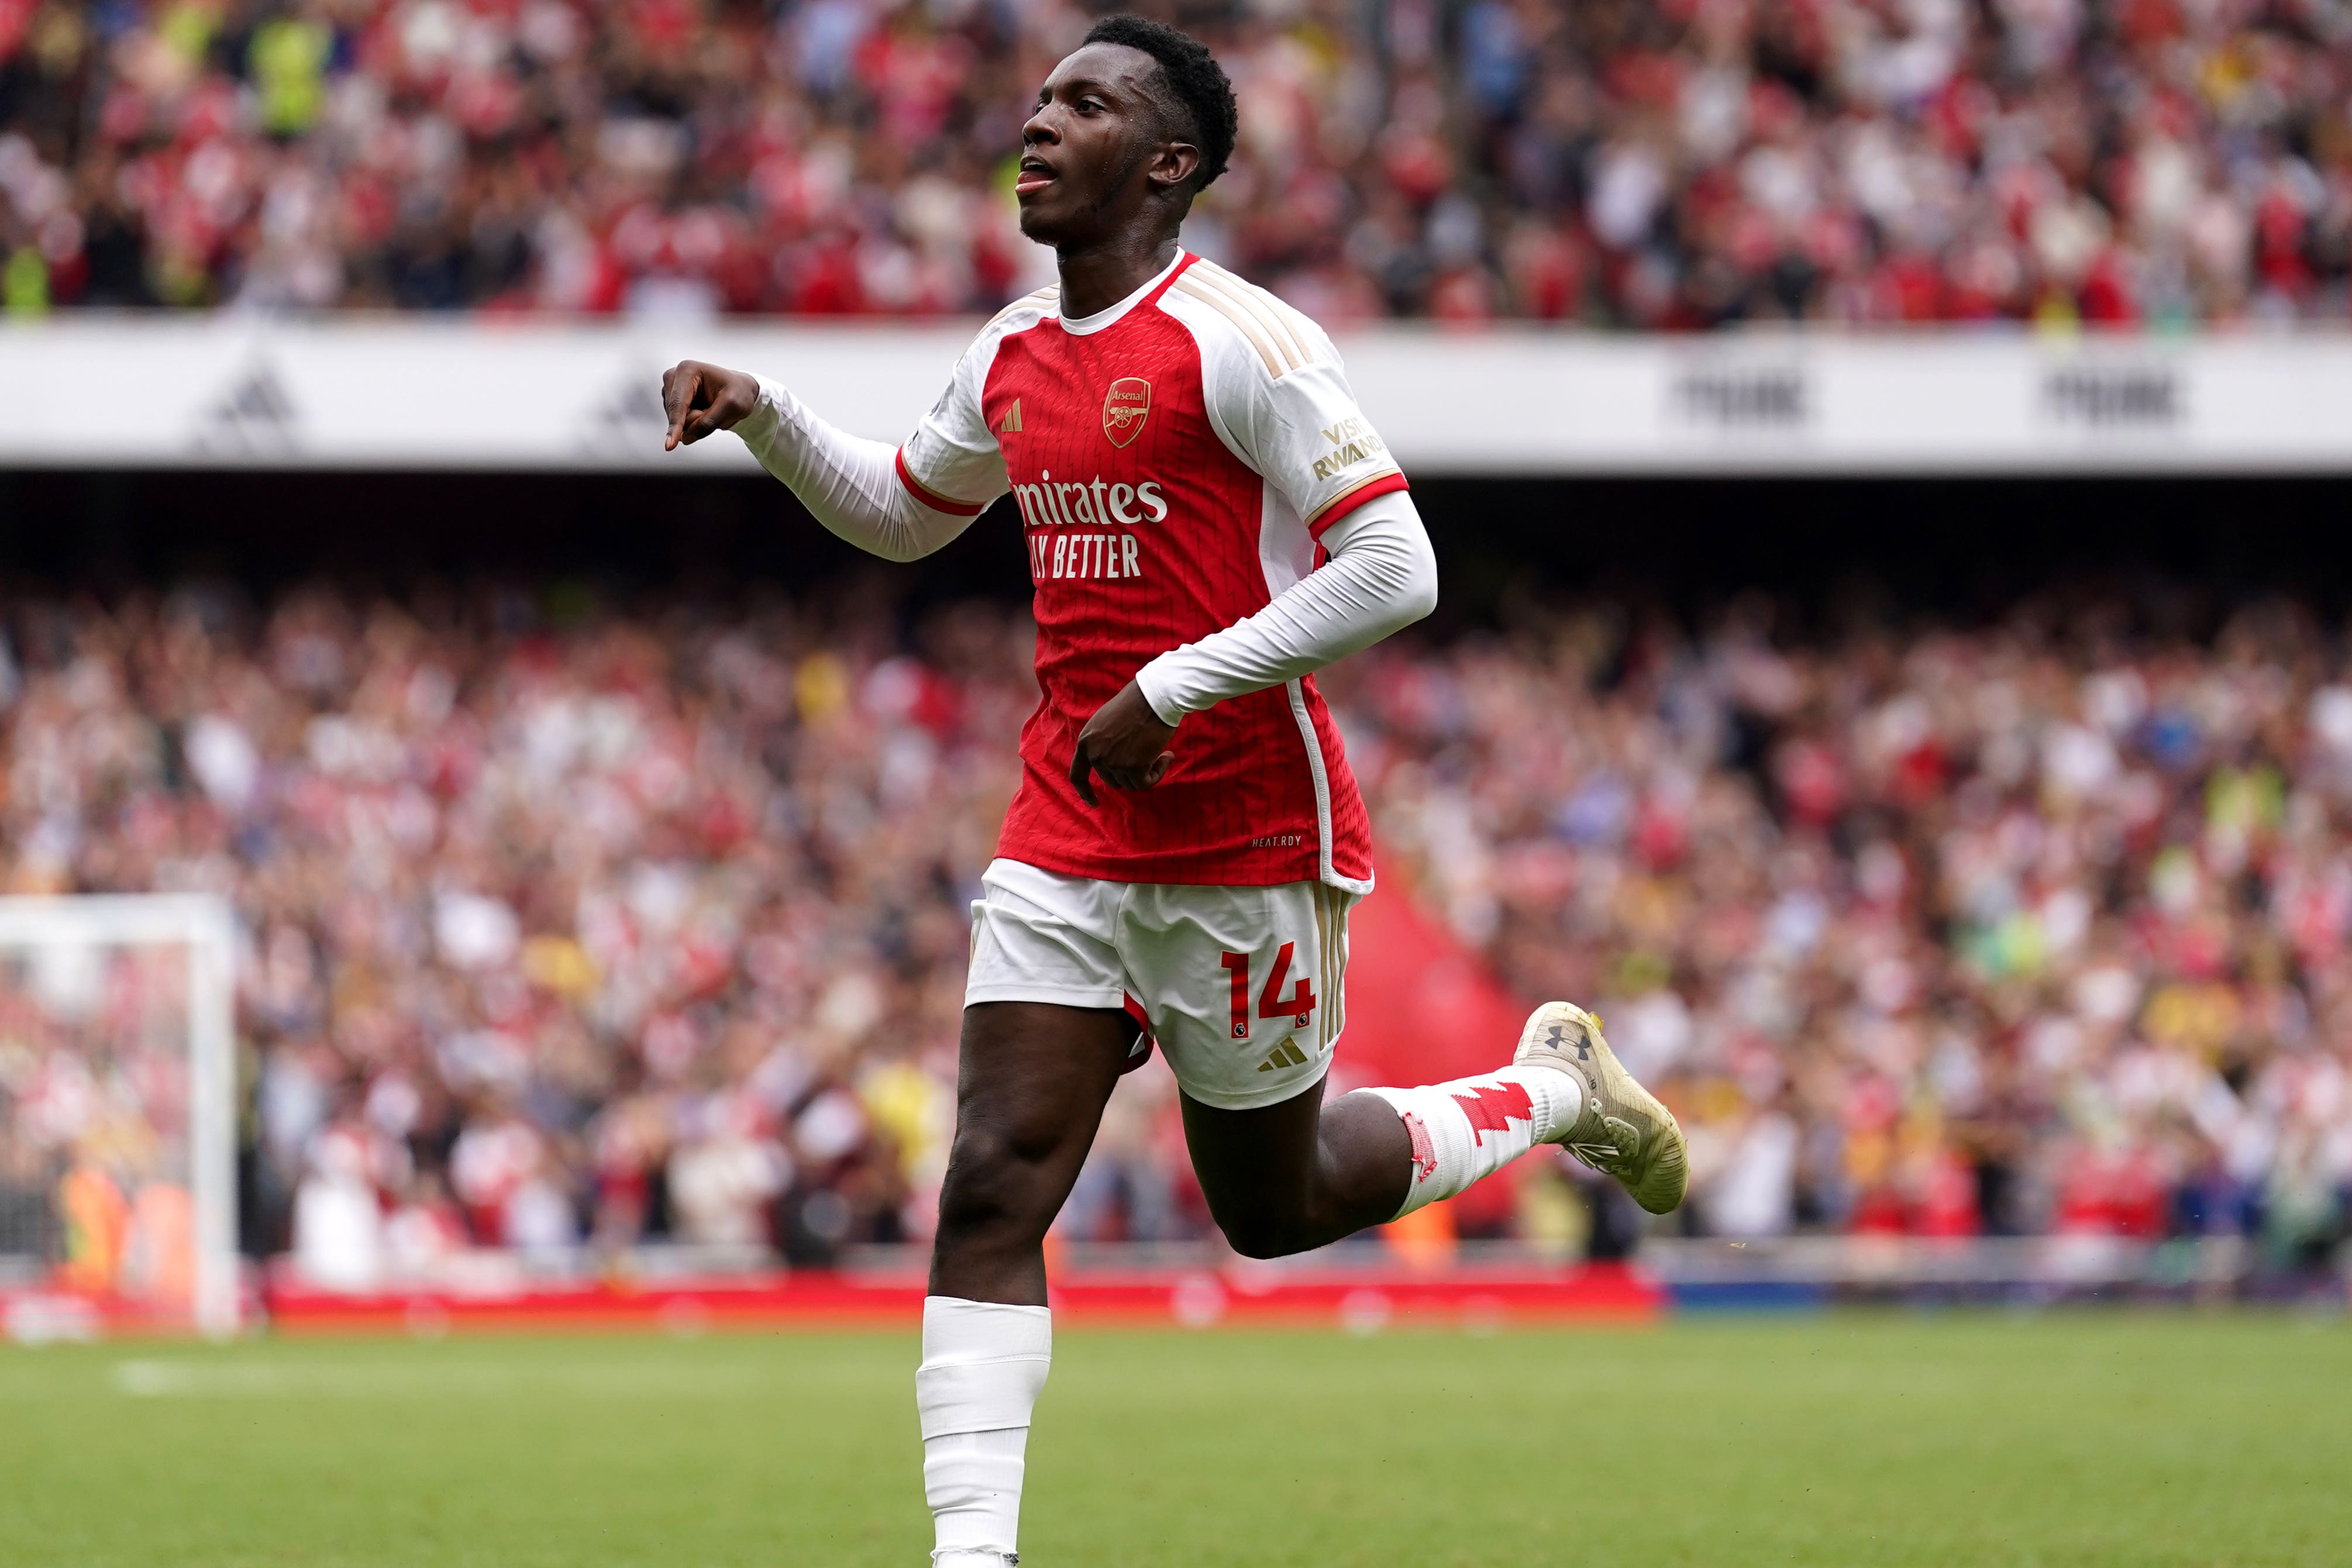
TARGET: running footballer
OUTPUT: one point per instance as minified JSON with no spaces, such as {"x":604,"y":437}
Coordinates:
{"x":1178,"y":862}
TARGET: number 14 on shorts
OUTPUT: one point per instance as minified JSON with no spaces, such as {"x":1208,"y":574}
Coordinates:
{"x":1299,"y":1007}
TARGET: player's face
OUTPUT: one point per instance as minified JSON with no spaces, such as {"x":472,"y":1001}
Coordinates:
{"x":1093,"y":155}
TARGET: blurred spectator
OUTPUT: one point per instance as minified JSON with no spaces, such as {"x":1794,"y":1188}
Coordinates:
{"x":1673,"y":165}
{"x":337,"y":1218}
{"x":2039,"y":926}
{"x":647,"y":927}
{"x":566,"y":926}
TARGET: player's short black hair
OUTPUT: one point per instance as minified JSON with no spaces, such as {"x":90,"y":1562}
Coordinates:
{"x":1198,"y":82}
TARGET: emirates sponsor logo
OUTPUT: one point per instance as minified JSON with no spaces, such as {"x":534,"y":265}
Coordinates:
{"x":1089,"y":503}
{"x":1126,"y":406}
{"x":1062,"y":515}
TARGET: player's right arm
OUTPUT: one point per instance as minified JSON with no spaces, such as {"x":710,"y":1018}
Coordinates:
{"x":859,"y":489}
{"x":1279,"y":398}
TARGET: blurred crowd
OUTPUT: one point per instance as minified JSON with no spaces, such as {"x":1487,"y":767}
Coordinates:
{"x":1649,"y":163}
{"x":561,"y":928}
{"x":567,"y":926}
{"x":2034,"y":927}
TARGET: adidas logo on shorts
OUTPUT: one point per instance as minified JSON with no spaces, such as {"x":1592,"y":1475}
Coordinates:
{"x":1286,"y":1054}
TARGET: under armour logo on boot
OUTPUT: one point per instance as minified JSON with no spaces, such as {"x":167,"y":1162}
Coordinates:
{"x":1559,"y":1040}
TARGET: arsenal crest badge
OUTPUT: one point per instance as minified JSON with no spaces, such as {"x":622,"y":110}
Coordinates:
{"x":1125,"y":408}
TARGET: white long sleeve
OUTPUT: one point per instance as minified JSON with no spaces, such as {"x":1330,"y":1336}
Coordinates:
{"x":1382,"y":578}
{"x":848,"y":483}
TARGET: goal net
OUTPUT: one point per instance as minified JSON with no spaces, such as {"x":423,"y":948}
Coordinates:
{"x":118,"y":1176}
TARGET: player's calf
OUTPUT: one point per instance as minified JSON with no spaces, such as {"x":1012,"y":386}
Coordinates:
{"x":999,"y":1198}
{"x":1009,"y":1171}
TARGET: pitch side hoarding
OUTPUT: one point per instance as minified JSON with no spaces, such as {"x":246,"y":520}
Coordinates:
{"x":425,"y":393}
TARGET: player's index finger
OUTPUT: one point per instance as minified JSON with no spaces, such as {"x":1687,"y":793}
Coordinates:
{"x":1081,"y":765}
{"x":679,"y":388}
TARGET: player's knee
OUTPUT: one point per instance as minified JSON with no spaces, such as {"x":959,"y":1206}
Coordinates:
{"x":1267,"y":1222}
{"x":1265,"y":1233}
{"x":1260,"y":1241}
{"x":991,"y":1185}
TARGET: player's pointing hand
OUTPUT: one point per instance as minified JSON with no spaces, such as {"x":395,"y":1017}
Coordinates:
{"x":1125,"y":743}
{"x":700,"y":399}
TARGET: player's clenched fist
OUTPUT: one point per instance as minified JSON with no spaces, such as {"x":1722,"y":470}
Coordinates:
{"x":700,"y":399}
{"x":1125,"y":742}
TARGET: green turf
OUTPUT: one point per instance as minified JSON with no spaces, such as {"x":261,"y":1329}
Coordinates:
{"x":1865,"y":1440}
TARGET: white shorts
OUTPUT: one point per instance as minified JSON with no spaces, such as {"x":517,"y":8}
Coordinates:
{"x":1240,"y":986}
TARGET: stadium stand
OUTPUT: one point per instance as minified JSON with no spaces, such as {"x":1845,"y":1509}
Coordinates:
{"x":1676,"y":165}
{"x":576,"y":924}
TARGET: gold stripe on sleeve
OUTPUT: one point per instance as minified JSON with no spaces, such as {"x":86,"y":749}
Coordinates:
{"x":1294,"y":346}
{"x":1241,"y":323}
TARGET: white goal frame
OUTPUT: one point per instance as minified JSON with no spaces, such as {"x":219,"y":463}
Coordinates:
{"x":202,"y":924}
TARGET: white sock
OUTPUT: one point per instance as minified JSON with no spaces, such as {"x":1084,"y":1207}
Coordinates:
{"x":983,"y":1364}
{"x":1473,"y":1127}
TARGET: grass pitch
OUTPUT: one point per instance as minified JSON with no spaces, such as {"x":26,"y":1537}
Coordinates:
{"x":1864,"y":1440}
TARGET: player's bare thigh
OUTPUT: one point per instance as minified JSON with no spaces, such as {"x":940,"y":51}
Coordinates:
{"x":1031,"y":1084}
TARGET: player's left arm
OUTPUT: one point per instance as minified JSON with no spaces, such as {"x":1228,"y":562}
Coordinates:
{"x":1309,"y":439}
{"x":1381,"y":579}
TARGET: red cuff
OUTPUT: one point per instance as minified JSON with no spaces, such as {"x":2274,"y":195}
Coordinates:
{"x":932,"y":499}
{"x":1349,"y":501}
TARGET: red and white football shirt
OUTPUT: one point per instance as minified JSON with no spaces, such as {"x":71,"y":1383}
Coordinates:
{"x":1175,"y":458}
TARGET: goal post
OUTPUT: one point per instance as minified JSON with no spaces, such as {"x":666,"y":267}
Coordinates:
{"x":98,"y":1079}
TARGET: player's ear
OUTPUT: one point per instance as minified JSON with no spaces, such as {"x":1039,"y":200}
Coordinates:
{"x":1175,"y":165}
